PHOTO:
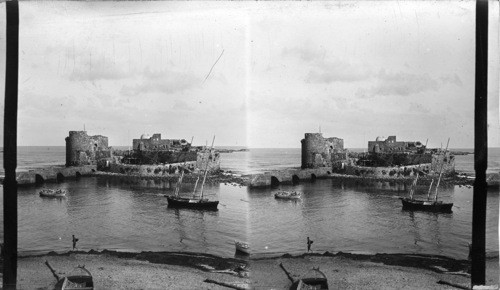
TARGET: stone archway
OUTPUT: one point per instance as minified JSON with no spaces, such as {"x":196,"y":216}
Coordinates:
{"x":275,"y":181}
{"x":60,"y":177}
{"x":39,"y":179}
{"x":313,"y":177}
{"x":295,"y":179}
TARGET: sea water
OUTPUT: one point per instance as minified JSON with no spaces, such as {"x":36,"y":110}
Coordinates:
{"x":337,"y":215}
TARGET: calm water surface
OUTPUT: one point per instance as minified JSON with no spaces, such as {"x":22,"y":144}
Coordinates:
{"x":114,"y":215}
{"x":368,"y":218}
{"x":338,"y":216}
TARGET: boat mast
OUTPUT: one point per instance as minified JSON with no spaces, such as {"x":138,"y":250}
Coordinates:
{"x":195,"y":185}
{"x":414,"y":184}
{"x":430,"y":187}
{"x":206,"y":169}
{"x":441,"y":171}
{"x":198,"y":178}
{"x":179,"y":182}
{"x":429,"y":192}
{"x":432,"y":181}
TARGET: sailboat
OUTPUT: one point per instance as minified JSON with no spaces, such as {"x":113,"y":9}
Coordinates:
{"x":176,"y":201}
{"x":434,"y":205}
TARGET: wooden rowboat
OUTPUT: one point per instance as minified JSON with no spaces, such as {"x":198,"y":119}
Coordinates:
{"x":242,"y":247}
{"x":78,"y":279}
{"x":287,"y":195}
{"x":52,"y":192}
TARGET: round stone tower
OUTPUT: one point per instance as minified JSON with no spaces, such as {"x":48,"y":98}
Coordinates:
{"x":77,"y":144}
{"x":313,"y":148}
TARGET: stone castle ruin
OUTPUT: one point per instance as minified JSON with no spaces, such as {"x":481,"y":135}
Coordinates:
{"x":390,"y":145}
{"x":82,"y":149}
{"x":154,"y":156}
{"x":386,"y":157}
{"x":154,"y":150}
{"x":318,"y":151}
{"x":151,"y":156}
{"x":389,"y":158}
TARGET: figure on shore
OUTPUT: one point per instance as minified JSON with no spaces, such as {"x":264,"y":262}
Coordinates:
{"x":74,"y":242}
{"x":309,"y":243}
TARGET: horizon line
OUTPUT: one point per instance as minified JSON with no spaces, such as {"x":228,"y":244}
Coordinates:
{"x":247,"y":147}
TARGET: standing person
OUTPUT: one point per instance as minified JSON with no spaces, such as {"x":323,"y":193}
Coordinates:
{"x":74,"y":241}
{"x":309,"y":243}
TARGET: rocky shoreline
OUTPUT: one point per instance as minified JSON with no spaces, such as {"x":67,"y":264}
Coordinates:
{"x":188,"y":270}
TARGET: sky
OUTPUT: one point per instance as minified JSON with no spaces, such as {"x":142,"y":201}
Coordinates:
{"x":256,"y":74}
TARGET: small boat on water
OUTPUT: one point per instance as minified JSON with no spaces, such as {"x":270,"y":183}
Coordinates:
{"x":426,"y":205}
{"x":242,"y":247}
{"x":194,"y":203}
{"x":432,"y":205}
{"x":287,"y":195}
{"x":46,"y":192}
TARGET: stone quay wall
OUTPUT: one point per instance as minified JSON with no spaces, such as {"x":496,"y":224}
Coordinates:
{"x":391,"y":172}
{"x":53,"y":174}
{"x":290,"y":176}
{"x":167,"y":169}
{"x":158,"y":170}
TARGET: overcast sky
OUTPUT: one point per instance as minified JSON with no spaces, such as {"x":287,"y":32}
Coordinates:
{"x":259,"y":74}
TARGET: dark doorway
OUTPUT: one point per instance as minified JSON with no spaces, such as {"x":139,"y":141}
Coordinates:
{"x":295,"y":179}
{"x":274,"y":181}
{"x":39,"y":179}
{"x":60,"y":177}
{"x":313,"y":177}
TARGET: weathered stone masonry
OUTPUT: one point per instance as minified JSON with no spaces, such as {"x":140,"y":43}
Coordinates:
{"x":318,"y":151}
{"x":82,"y":149}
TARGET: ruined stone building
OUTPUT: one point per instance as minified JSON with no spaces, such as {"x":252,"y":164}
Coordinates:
{"x":153,"y":156}
{"x":156,"y":143}
{"x":318,"y":151}
{"x":82,"y":149}
{"x":390,"y":145}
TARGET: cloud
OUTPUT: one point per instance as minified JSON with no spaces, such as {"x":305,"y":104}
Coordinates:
{"x":101,"y":72}
{"x":451,"y":79}
{"x":165,"y":81}
{"x":403,"y":84}
{"x":96,"y":68}
{"x":336,"y":71}
{"x":182,"y":106}
{"x":324,"y":69}
{"x":398,"y":84}
{"x":418,"y":108}
{"x":307,"y":54}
